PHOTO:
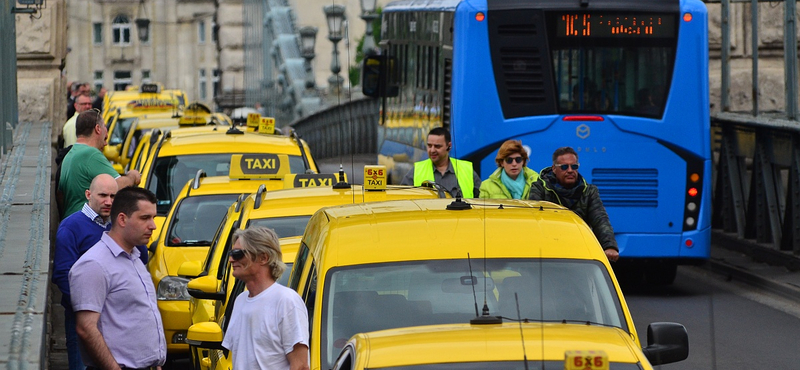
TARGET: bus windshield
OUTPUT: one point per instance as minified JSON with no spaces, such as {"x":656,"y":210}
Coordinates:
{"x":613,"y":80}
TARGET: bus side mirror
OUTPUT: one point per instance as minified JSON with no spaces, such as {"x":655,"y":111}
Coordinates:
{"x":378,"y":75}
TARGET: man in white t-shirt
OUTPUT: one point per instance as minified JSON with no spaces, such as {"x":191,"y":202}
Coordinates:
{"x":281,"y":341}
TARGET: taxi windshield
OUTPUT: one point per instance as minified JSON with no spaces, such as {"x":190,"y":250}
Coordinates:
{"x":366,"y":298}
{"x":505,"y":365}
{"x":196,"y":219}
{"x":120,"y":131}
{"x":283,"y":226}
{"x":170,"y":174}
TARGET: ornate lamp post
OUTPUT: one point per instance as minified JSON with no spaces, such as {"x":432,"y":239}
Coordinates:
{"x":368,"y":15}
{"x":308,"y":39}
{"x":335,"y":16}
{"x":143,"y":24}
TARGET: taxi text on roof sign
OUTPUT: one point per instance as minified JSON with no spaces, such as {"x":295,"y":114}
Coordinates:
{"x":253,"y":119}
{"x":309,"y":180}
{"x":267,"y":126}
{"x":585,"y":360}
{"x":152,"y":103}
{"x":150,"y":88}
{"x":374,"y":177}
{"x":254,"y":166}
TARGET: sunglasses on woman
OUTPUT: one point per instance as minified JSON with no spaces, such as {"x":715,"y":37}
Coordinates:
{"x":510,"y":160}
{"x":564,"y":167}
{"x":236,"y":254}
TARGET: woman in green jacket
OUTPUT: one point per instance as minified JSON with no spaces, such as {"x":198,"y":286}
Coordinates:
{"x":512,"y":180}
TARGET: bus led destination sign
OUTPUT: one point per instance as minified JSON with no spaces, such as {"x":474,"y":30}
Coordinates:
{"x":615,"y":25}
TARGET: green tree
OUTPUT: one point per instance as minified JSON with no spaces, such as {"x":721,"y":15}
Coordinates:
{"x":355,"y":70}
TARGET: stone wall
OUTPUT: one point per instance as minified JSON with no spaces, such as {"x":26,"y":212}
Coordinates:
{"x":771,"y":74}
{"x":41,"y":50}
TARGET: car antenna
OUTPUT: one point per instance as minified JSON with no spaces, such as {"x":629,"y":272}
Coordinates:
{"x":342,"y":184}
{"x":521,"y":335}
{"x":484,"y":317}
{"x":472,"y":283}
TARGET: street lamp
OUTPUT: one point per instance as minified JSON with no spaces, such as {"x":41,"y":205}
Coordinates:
{"x":308,"y":39}
{"x":143,"y":24}
{"x":368,"y":15}
{"x":335,"y":17}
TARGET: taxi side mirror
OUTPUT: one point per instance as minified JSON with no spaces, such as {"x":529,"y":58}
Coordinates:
{"x":667,"y":342}
{"x":190,"y":269}
{"x":205,"y":287}
{"x":205,"y":335}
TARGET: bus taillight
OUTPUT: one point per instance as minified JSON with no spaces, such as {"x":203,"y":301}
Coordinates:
{"x":693,"y":192}
{"x":583,"y":118}
{"x":687,"y":17}
{"x":480,"y":17}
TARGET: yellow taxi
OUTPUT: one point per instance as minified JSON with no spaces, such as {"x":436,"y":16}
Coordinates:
{"x":188,"y":233}
{"x":387,"y":265}
{"x":287,"y":212}
{"x":511,"y":345}
{"x":176,"y":158}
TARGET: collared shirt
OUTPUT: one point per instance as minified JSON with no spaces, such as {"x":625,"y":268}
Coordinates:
{"x":89,"y":212}
{"x":108,"y":280}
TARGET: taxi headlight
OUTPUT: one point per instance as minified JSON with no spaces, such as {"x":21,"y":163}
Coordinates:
{"x":172,"y":288}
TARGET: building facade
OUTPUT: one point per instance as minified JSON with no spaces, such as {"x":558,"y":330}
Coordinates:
{"x":179,"y":51}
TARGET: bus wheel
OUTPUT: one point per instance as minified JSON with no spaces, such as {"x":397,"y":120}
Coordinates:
{"x":661,"y":273}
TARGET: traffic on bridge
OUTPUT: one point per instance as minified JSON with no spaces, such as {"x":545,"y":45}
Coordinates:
{"x":495,"y":184}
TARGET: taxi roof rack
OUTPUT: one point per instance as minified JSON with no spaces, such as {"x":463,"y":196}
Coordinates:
{"x":294,"y":135}
{"x":199,"y":175}
{"x":239,"y":202}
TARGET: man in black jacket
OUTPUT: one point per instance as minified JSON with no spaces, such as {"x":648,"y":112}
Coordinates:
{"x":562,"y":184}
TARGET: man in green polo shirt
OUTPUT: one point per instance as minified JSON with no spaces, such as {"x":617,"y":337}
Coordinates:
{"x":85,"y":161}
{"x":454,"y":175}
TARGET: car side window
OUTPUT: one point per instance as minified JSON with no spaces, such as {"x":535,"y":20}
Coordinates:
{"x":310,"y":294}
{"x":297,"y":269}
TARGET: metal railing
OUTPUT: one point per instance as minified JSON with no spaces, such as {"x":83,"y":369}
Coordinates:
{"x":8,"y":76}
{"x":345,"y":129}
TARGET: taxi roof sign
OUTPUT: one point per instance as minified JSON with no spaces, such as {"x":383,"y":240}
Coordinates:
{"x":195,"y":114}
{"x":259,"y":166}
{"x":374,"y":177}
{"x":253,"y":119}
{"x":266,"y":126}
{"x":309,"y":180}
{"x":150,"y":88}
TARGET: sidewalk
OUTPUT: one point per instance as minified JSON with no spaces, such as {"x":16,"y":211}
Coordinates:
{"x":25,"y":247}
{"x":755,"y":264}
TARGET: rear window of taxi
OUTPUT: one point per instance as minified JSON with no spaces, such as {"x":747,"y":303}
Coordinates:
{"x":283,"y":226}
{"x":197,"y":219}
{"x":171,"y":173}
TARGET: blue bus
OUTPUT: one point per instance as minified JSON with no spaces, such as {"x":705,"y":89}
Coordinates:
{"x":624,"y":82}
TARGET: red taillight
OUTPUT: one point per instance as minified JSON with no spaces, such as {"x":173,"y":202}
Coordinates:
{"x":583,"y":118}
{"x":689,"y":243}
{"x":480,"y":17}
{"x":693,"y":192}
{"x":687,"y":17}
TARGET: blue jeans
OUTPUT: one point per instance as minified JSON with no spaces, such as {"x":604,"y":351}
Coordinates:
{"x":73,"y":352}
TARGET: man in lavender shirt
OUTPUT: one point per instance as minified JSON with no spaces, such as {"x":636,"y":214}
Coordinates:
{"x":113,"y":296}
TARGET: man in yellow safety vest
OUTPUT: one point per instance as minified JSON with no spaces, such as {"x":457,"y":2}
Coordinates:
{"x":454,"y":175}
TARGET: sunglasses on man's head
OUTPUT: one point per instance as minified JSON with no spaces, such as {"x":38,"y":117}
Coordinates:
{"x":564,"y":167}
{"x":236,"y":254}
{"x":510,"y":160}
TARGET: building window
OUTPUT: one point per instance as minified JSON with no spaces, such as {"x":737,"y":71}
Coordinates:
{"x":203,"y":84}
{"x":214,"y":30}
{"x":201,"y":32}
{"x":121,"y":80}
{"x":145,"y":76}
{"x":121,"y":30}
{"x":215,"y":82}
{"x":98,"y":80}
{"x":97,"y":33}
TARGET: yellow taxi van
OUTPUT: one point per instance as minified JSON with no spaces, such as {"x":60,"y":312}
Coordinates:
{"x":377,"y":266}
{"x":285,"y":211}
{"x":175,"y":159}
{"x":512,"y":345}
{"x":187,"y":235}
